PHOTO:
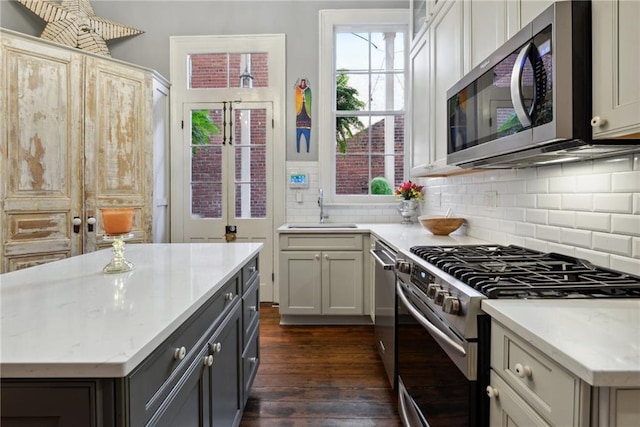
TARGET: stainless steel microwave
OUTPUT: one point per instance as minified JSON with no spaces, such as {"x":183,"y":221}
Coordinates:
{"x":529,"y":103}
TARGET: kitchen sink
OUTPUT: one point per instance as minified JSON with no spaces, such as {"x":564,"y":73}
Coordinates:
{"x":322,"y":225}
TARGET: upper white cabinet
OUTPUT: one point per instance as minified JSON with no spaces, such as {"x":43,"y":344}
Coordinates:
{"x":77,"y":135}
{"x":437,"y":62}
{"x":616,"y":67}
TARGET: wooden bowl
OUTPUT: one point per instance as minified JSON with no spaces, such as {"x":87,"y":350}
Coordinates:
{"x":117,"y":220}
{"x":441,"y":226}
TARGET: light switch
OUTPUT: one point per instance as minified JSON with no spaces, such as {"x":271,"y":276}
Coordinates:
{"x":299,"y":196}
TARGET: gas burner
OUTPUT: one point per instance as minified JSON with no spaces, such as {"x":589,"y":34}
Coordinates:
{"x":516,"y":272}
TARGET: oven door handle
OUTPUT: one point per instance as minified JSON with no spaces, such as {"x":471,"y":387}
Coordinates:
{"x":428,"y":325}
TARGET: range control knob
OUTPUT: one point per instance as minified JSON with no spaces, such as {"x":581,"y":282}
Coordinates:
{"x":451,"y":304}
{"x":440,"y":296}
{"x":432,"y":290}
{"x":403,"y":266}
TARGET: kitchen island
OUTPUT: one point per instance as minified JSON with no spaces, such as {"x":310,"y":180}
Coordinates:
{"x":136,"y":347}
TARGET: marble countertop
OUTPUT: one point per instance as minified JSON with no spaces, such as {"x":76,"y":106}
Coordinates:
{"x":597,"y":340}
{"x":68,"y":319}
{"x":399,"y":236}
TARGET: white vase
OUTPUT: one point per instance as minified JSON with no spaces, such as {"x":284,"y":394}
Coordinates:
{"x":407,"y":209}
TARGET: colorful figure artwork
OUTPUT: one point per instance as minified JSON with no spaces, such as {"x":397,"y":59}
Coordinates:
{"x":303,"y":113}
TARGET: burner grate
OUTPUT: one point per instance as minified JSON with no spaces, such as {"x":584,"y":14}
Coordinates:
{"x":516,"y":272}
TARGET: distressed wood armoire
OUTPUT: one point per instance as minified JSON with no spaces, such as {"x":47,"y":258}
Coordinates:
{"x":79,"y":132}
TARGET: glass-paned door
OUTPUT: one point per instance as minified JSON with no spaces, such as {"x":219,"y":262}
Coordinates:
{"x":229,"y":159}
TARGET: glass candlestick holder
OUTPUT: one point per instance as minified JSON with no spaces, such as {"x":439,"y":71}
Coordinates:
{"x":118,"y":264}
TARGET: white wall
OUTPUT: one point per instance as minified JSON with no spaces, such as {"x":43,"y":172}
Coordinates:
{"x":586,"y":209}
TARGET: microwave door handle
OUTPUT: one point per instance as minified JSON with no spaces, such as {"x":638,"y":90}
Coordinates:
{"x":428,"y":325}
{"x":516,"y":88}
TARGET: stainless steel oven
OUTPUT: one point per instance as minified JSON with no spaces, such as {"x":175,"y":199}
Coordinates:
{"x":438,"y":367}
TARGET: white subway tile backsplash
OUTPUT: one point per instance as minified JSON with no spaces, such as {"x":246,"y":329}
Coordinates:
{"x":538,"y":186}
{"x":636,"y":204}
{"x":635,"y":247}
{"x":594,"y":183}
{"x":525,"y":230}
{"x":580,"y":238}
{"x":550,"y":234}
{"x":562,"y":218}
{"x":536,"y":216}
{"x":596,"y":258}
{"x":526,"y":200}
{"x":536,"y":245}
{"x":625,"y":264}
{"x":612,"y":243}
{"x":613,"y":202}
{"x":548,"y":171}
{"x":577,"y":202}
{"x":625,"y":224}
{"x":577,"y":168}
{"x":561,"y":249}
{"x":515,"y":214}
{"x":549,"y":201}
{"x":626,"y":182}
{"x":593,"y":221}
{"x":562,"y":184}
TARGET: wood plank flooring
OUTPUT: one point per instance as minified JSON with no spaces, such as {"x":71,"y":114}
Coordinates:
{"x":318,"y":376}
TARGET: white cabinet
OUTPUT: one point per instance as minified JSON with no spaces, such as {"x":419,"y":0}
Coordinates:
{"x":616,"y":67}
{"x":77,"y":135}
{"x":437,"y":62}
{"x":321,"y":274}
{"x":488,"y":23}
{"x":528,"y":388}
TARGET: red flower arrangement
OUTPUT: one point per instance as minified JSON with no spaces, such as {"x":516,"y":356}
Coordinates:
{"x":409,"y":190}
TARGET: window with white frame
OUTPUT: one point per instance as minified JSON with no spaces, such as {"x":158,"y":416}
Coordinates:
{"x":362,"y":103}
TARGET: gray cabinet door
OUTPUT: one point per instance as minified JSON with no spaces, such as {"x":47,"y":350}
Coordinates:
{"x":226,"y":371}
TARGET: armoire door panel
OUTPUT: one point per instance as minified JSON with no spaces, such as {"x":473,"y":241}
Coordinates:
{"x":118,"y":128}
{"x":43,"y":140}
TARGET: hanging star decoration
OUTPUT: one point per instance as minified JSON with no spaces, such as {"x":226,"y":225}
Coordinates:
{"x":74,"y":23}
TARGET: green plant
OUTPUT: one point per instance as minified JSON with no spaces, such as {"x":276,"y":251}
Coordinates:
{"x":202,"y":128}
{"x":346,"y":100}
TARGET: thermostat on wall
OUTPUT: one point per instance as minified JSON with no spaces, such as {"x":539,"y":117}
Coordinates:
{"x":298,"y":180}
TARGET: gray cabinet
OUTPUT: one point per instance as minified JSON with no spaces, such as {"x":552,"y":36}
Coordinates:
{"x":199,"y":376}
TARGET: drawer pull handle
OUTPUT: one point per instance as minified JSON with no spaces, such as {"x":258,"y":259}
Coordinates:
{"x":492,"y":392}
{"x":216,"y":347}
{"x":208,"y":360}
{"x":252,"y":269}
{"x":228,"y":296}
{"x":523,"y":371}
{"x":179,"y":353}
{"x":253,"y":360}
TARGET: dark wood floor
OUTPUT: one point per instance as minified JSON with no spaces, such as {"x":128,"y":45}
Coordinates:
{"x":318,"y":376}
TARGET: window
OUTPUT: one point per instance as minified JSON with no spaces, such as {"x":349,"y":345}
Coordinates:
{"x":362,"y":110}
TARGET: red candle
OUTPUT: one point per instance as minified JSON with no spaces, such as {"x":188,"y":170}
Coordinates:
{"x":117,"y":220}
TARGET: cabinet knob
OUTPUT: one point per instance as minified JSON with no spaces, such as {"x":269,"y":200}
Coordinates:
{"x":317,"y":256}
{"x":252,"y":269}
{"x":253,"y":360}
{"x":179,"y":353}
{"x":216,"y":347}
{"x":598,"y":122}
{"x":253,"y":308}
{"x":326,"y":256}
{"x":523,"y":371}
{"x":208,"y":360}
{"x":492,"y":392}
{"x":76,"y":221}
{"x":228,"y":296}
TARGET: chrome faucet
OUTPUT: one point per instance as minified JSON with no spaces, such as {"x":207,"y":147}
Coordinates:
{"x":321,"y":204}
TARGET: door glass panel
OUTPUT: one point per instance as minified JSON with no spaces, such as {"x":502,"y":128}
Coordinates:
{"x":206,"y":154}
{"x":250,"y":163}
{"x":228,"y":70}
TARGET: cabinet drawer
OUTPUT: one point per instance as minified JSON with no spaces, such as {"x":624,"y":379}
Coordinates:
{"x":509,"y":406}
{"x":250,"y":310}
{"x":249,"y":272}
{"x":545,"y":385}
{"x":151,"y":382}
{"x":251,"y":360}
{"x":318,"y":242}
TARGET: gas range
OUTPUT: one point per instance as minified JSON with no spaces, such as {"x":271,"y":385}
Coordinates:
{"x":452,"y":280}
